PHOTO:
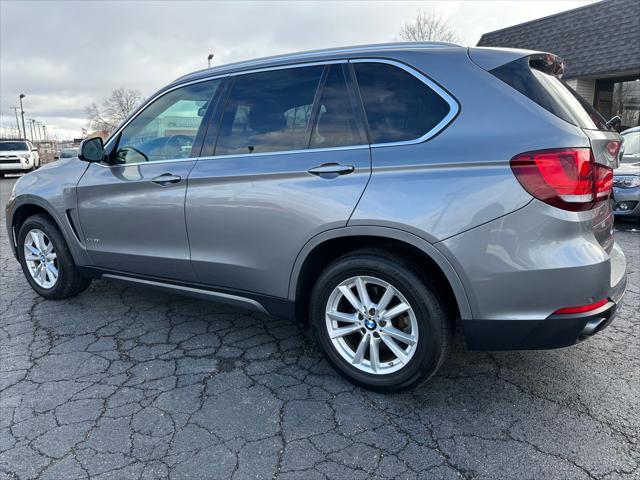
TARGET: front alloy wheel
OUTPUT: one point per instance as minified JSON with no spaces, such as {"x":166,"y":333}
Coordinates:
{"x":46,"y":260}
{"x":371,"y":325}
{"x":41,"y":258}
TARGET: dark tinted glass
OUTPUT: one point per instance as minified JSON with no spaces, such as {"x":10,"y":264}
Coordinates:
{"x":336,"y":125}
{"x":69,"y":153}
{"x":398,"y":105}
{"x":8,"y":146}
{"x":269,"y":111}
{"x":550,"y":93}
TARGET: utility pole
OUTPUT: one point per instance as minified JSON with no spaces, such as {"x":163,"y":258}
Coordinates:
{"x":15,"y":110}
{"x":24,"y":130}
{"x":209,"y":58}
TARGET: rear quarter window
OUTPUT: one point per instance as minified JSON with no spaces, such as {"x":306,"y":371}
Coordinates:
{"x":551,"y":93}
{"x":399,"y":107}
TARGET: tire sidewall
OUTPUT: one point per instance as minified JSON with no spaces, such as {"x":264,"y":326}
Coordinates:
{"x":430,"y":316}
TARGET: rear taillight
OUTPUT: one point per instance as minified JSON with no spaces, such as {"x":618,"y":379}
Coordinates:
{"x":567,"y":178}
{"x":582,"y":308}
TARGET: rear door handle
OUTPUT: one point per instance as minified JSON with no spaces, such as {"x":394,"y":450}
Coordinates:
{"x":166,"y":179}
{"x":331,"y":170}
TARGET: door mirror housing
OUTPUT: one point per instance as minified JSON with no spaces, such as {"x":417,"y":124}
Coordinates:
{"x":91,"y":150}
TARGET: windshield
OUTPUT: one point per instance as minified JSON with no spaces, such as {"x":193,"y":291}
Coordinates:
{"x":69,"y":153}
{"x":631,"y":147}
{"x":8,"y":146}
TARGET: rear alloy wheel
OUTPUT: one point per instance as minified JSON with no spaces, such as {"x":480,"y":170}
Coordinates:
{"x":371,"y":325}
{"x":379,"y":322}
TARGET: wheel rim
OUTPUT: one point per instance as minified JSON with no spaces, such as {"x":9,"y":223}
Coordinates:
{"x":371,"y":325}
{"x":41,"y":258}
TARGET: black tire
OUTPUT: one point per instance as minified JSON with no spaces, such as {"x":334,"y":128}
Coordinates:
{"x":69,"y":282}
{"x":433,"y":323}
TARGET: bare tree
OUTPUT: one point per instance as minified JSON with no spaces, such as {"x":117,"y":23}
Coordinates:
{"x":428,"y":26}
{"x":114,"y":110}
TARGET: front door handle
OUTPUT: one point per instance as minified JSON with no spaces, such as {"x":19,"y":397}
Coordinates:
{"x":166,"y":179}
{"x":331,"y":170}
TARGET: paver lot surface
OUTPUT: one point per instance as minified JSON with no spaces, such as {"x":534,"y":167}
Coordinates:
{"x":124,"y":382}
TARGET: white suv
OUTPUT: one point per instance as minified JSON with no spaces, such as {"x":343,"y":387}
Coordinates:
{"x":17,"y":156}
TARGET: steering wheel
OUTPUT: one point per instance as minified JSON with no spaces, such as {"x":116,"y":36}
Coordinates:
{"x":133,"y":149}
{"x":176,"y":139}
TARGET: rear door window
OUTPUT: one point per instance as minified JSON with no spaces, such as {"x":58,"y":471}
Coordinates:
{"x":399,"y":106}
{"x":337,"y":123}
{"x":269,"y":111}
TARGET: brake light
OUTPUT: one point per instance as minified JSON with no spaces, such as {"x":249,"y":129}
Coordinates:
{"x":567,"y":178}
{"x":613,"y":147}
{"x":583,"y":308}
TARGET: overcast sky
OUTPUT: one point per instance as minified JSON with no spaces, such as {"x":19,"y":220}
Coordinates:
{"x":66,"y":55}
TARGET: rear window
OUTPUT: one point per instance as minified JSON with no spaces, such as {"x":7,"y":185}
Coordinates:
{"x":399,"y":107}
{"x":8,"y":146}
{"x":551,"y":93}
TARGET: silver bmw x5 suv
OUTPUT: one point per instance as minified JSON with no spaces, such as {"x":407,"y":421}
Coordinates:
{"x":378,"y":194}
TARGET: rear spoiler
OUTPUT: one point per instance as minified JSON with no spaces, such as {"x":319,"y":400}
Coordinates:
{"x":489,"y":58}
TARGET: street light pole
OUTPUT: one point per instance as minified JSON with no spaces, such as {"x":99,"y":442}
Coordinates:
{"x":31,"y":122}
{"x":209,"y":58}
{"x":15,"y":110}
{"x":39,"y":131}
{"x":24,"y":130}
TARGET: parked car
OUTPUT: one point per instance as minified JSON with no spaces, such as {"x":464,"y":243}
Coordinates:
{"x":626,"y":178}
{"x":377,"y":194}
{"x":67,"y":153}
{"x":17,"y":156}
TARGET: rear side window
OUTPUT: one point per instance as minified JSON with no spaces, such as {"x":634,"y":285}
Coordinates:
{"x":336,"y":125}
{"x":269,"y":111}
{"x":550,"y":93}
{"x":399,"y":107}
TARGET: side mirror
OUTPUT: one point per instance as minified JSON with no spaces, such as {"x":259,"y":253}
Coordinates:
{"x":91,"y":150}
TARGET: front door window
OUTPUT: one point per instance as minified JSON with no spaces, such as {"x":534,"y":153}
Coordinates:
{"x":167,"y":128}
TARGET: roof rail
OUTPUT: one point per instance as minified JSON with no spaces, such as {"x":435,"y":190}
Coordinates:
{"x":326,"y":51}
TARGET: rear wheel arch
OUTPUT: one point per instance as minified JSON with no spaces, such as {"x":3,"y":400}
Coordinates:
{"x":319,"y":252}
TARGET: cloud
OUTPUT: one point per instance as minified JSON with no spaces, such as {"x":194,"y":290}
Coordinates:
{"x":65,"y":55}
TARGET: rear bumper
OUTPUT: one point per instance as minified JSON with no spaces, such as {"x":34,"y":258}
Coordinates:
{"x":555,"y":331}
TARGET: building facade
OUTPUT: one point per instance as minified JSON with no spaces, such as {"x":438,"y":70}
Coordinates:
{"x":600,"y":44}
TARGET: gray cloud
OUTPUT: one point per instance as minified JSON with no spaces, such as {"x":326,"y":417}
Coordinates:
{"x":65,"y":55}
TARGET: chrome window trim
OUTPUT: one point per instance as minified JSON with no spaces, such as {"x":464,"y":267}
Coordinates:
{"x":285,"y":152}
{"x":152,"y":162}
{"x":454,"y":109}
